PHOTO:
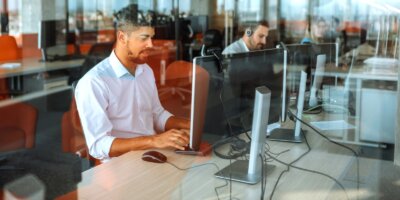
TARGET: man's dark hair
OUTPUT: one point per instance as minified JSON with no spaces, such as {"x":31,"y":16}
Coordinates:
{"x":129,"y":19}
{"x":254,"y":25}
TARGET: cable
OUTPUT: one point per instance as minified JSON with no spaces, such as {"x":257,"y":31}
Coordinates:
{"x":341,"y":145}
{"x":262,"y":177}
{"x":287,"y":169}
{"x":200,"y":165}
{"x":311,"y":171}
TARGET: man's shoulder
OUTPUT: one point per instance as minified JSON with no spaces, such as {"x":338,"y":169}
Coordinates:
{"x":235,"y":47}
{"x":97,"y":73}
{"x":100,"y":69}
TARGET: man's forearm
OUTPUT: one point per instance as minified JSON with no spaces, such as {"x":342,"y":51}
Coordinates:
{"x":177,"y":123}
{"x":123,"y":145}
{"x":173,"y":138}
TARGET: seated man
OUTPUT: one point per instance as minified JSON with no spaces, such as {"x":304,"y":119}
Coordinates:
{"x":254,"y":38}
{"x":117,"y":100}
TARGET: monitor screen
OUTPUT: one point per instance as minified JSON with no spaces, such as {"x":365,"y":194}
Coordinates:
{"x":230,"y":101}
{"x":298,"y":59}
{"x":330,"y":50}
{"x":303,"y":57}
{"x":52,"y":33}
{"x":199,"y":23}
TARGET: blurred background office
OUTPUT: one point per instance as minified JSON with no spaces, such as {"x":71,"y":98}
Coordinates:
{"x":47,"y":45}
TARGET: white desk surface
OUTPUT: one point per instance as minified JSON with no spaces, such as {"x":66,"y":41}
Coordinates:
{"x":33,"y":65}
{"x":128,"y":177}
{"x":363,"y":72}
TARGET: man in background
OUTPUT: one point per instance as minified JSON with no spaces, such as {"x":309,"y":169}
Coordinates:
{"x":254,"y":38}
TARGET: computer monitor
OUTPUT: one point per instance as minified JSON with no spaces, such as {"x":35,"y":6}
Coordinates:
{"x":51,"y":33}
{"x":330,"y":50}
{"x":298,"y":59}
{"x":199,"y":23}
{"x":247,"y":71}
{"x":303,"y":57}
{"x":200,"y":82}
{"x":230,"y":96}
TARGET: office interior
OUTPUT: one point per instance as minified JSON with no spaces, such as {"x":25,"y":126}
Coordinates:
{"x":351,"y":129}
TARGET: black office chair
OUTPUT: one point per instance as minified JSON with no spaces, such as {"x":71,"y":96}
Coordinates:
{"x":212,"y":43}
{"x":97,"y":53}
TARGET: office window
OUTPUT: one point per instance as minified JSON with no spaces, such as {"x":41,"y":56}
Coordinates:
{"x":13,"y":17}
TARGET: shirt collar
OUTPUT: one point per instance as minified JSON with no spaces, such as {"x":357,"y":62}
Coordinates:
{"x":120,"y":69}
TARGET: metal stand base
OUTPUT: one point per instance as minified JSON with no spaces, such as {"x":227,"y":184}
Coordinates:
{"x":237,"y":171}
{"x":284,"y":135}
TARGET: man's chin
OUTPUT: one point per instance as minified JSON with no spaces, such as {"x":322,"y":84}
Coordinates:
{"x":140,"y":60}
{"x":259,"y":47}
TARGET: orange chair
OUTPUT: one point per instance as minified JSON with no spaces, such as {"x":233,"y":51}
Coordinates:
{"x":17,"y":126}
{"x":72,"y":137}
{"x":9,"y":51}
{"x":163,"y":54}
{"x":178,"y":79}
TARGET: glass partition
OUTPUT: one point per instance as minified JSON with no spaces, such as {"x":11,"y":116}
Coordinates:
{"x":349,"y":49}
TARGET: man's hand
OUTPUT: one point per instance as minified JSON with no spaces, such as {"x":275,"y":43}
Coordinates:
{"x":178,"y":139}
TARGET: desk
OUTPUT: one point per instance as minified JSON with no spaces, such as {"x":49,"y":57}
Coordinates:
{"x":32,"y":66}
{"x":359,"y":74}
{"x":128,"y":177}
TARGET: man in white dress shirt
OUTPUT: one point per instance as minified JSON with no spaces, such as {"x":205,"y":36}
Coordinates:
{"x":254,"y":38}
{"x":117,"y":100}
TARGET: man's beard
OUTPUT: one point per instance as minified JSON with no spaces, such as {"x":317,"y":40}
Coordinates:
{"x":138,"y":59}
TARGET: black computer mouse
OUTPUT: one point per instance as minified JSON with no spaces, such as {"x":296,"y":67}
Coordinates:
{"x":154,"y":156}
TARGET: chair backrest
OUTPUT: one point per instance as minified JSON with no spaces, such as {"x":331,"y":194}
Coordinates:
{"x":76,"y":122}
{"x":20,"y":116}
{"x":212,"y":42}
{"x":179,"y":69}
{"x":97,"y":53}
{"x":9,"y":49}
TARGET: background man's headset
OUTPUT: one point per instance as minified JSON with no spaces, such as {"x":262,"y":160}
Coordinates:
{"x":249,"y":32}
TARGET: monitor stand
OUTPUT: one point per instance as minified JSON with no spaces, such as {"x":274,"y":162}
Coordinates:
{"x":204,"y":149}
{"x":290,"y":135}
{"x":250,"y":171}
{"x":237,"y":171}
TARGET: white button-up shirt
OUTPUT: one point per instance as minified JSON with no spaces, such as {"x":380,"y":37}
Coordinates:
{"x":112,"y":103}
{"x":238,"y":46}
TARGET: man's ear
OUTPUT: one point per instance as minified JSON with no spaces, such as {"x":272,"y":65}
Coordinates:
{"x":121,"y":37}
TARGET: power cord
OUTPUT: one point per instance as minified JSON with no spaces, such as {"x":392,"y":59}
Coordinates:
{"x":311,"y":171}
{"x":290,"y":164}
{"x":263,"y":177}
{"x":341,"y":145}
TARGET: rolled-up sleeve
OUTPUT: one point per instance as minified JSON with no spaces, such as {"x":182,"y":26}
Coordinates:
{"x":160,"y":115}
{"x":92,"y":102}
